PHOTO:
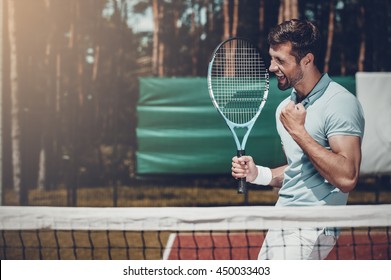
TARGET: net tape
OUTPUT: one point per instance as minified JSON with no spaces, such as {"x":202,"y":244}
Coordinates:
{"x":192,"y":218}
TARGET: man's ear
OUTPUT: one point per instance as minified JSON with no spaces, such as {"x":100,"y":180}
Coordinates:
{"x":308,"y":58}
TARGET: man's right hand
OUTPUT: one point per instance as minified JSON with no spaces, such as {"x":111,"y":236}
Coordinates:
{"x":244,"y":166}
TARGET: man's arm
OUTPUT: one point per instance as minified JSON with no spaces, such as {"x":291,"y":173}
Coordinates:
{"x":278,"y":176}
{"x":341,"y":165}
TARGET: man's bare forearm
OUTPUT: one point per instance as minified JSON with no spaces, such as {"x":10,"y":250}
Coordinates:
{"x":278,"y":176}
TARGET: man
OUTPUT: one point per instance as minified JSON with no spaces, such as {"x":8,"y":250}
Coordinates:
{"x":321,"y":126}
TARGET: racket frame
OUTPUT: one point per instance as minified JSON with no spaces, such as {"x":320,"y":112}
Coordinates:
{"x":240,"y":145}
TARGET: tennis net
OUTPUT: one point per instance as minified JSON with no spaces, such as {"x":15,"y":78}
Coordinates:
{"x":184,"y":232}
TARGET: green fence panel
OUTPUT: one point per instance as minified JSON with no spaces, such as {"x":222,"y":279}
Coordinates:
{"x":180,"y":132}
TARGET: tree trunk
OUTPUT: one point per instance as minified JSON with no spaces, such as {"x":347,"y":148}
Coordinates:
{"x":41,"y":170}
{"x":262,"y":15}
{"x":210,"y":12}
{"x":361,"y":23}
{"x":96,"y":63}
{"x":1,"y":100}
{"x":155,"y":51}
{"x":281,"y":12}
{"x":235,"y":18}
{"x":343,"y":63}
{"x":289,"y":9}
{"x":227,"y":31}
{"x":194,"y":31}
{"x":330,"y":36}
{"x":15,"y":121}
{"x":294,"y":9}
{"x":161,"y":60}
{"x":261,"y":23}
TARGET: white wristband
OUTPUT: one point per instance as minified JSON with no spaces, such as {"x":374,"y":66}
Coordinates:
{"x":264,"y":177}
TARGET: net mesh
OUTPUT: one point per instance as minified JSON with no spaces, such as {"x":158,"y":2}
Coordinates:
{"x":186,"y":232}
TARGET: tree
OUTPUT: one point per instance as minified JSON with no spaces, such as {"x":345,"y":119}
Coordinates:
{"x":157,"y":48}
{"x":230,"y":23}
{"x":1,"y":102}
{"x":361,"y":24}
{"x":330,"y":35}
{"x":15,"y":121}
{"x":288,"y":9}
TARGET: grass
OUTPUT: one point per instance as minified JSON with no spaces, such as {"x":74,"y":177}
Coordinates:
{"x":173,"y":196}
{"x":146,"y":196}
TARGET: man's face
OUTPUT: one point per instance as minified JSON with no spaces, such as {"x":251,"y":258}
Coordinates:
{"x":283,"y":64}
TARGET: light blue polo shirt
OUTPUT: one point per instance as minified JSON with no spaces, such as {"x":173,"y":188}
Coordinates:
{"x":331,"y":110}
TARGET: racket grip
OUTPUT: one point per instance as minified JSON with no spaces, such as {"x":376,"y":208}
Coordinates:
{"x":242,"y":185}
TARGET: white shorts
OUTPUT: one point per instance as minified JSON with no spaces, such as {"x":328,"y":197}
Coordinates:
{"x":294,"y":244}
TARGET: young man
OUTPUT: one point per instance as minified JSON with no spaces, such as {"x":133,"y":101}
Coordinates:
{"x":321,"y":126}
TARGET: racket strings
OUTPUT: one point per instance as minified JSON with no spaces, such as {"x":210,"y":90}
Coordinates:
{"x":239,"y":81}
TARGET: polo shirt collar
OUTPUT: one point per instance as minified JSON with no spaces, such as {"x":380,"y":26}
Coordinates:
{"x":315,"y":93}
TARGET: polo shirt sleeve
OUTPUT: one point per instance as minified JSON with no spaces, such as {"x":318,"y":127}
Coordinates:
{"x":344,"y":116}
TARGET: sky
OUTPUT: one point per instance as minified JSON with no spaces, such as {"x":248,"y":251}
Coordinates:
{"x":138,"y":22}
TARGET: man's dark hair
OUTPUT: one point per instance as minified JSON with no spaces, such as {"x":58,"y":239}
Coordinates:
{"x":303,"y":35}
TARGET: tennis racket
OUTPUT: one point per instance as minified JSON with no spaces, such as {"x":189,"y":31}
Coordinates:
{"x":238,"y":83}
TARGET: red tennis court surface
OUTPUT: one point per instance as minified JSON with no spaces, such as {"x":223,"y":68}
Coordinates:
{"x":239,"y":246}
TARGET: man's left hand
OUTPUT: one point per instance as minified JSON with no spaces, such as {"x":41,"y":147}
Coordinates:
{"x":293,"y":117}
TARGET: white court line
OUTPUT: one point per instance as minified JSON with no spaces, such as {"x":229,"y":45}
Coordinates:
{"x":170,"y":243}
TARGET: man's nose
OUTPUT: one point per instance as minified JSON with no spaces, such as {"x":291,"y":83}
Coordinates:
{"x":273,"y":67}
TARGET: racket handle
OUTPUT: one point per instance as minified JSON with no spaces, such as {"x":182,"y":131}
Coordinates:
{"x":242,"y":186}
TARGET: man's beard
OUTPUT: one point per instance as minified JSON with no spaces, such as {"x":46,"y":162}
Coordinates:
{"x":285,"y":83}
